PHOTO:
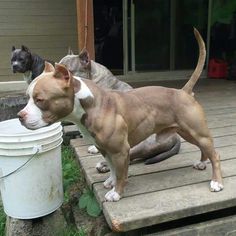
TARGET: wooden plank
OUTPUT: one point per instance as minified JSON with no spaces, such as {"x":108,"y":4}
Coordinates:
{"x":182,"y":160}
{"x":218,"y":122}
{"x":223,"y":110}
{"x":223,"y":131}
{"x":170,"y":204}
{"x":217,"y":227}
{"x":40,"y":26}
{"x":218,"y":141}
{"x":22,"y":4}
{"x":177,"y":161}
{"x":37,"y":19}
{"x":173,"y":178}
{"x":83,"y":151}
{"x":40,"y":11}
{"x":37,"y":42}
{"x":36,"y":31}
{"x":80,"y":142}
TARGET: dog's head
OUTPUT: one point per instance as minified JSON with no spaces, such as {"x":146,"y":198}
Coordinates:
{"x":78,"y":65}
{"x":21,"y":59}
{"x":51,"y":97}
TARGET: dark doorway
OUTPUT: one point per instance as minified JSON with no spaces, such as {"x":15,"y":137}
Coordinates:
{"x":223,"y":30}
{"x":108,"y":34}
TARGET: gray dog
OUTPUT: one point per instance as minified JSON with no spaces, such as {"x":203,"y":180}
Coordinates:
{"x":29,"y":64}
{"x":155,"y":148}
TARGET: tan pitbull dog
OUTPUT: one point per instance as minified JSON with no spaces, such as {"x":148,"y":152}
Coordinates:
{"x":120,"y":120}
{"x":155,"y":148}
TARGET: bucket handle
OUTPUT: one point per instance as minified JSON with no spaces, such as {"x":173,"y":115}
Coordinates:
{"x":37,"y":149}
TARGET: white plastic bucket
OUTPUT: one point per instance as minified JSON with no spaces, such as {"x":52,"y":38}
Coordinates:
{"x":35,"y":189}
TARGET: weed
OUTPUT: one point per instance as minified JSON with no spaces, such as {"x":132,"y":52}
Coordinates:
{"x":89,"y":202}
{"x":73,"y":232}
{"x":71,"y":172}
{"x":2,"y":220}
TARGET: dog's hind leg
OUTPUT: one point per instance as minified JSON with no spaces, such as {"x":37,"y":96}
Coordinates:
{"x":207,"y":149}
{"x":202,"y":138}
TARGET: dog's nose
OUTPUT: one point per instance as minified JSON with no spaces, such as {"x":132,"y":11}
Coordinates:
{"x":14,"y":68}
{"x":21,"y":115}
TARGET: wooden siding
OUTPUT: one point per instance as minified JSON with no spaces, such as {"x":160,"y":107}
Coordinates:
{"x":46,"y":27}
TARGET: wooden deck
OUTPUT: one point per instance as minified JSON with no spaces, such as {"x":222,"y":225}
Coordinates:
{"x":172,"y":189}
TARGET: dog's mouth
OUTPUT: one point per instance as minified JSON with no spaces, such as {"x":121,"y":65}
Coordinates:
{"x":33,"y":124}
{"x":18,"y":68}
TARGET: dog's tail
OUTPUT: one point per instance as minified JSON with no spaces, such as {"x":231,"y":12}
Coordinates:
{"x":188,"y":87}
{"x":165,"y":155}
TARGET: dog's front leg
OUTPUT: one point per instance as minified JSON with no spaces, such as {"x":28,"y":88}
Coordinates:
{"x":111,"y":181}
{"x":120,"y":163}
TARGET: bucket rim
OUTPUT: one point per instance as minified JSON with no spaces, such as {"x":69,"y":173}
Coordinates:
{"x":31,"y":132}
{"x":45,"y":148}
{"x":28,"y":139}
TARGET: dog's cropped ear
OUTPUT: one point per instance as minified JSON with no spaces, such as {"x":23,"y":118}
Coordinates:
{"x":13,"y":48}
{"x":70,"y":52}
{"x":84,"y":59}
{"x":24,"y":48}
{"x":61,"y":72}
{"x":48,"y":67}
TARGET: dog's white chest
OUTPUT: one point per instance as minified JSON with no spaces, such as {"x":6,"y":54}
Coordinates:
{"x":27,"y":76}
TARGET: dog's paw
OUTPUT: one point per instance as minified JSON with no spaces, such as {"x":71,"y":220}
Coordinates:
{"x":112,"y":196}
{"x":92,"y":150}
{"x":109,"y":183}
{"x":200,"y":165}
{"x":216,"y":186}
{"x":102,"y":167}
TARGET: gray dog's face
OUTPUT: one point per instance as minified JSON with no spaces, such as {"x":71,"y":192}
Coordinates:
{"x":78,"y":65}
{"x":72,"y":63}
{"x":21,"y":59}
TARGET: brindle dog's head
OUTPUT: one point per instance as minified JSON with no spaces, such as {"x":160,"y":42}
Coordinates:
{"x":78,"y":65}
{"x":21,"y":59}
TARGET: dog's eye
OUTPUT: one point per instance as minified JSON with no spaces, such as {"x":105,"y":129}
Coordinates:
{"x":39,"y":100}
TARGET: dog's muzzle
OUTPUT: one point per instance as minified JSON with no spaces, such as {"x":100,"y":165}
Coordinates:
{"x":16,"y":67}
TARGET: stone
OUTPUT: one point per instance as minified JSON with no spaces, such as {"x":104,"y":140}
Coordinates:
{"x":10,"y":105}
{"x":50,"y":225}
{"x":16,"y":227}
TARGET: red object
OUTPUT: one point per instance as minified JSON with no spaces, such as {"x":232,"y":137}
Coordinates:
{"x":217,"y":69}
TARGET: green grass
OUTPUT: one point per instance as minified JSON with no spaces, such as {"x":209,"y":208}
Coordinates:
{"x":2,"y":220}
{"x":71,"y":172}
{"x":73,"y":232}
{"x":71,"y":177}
